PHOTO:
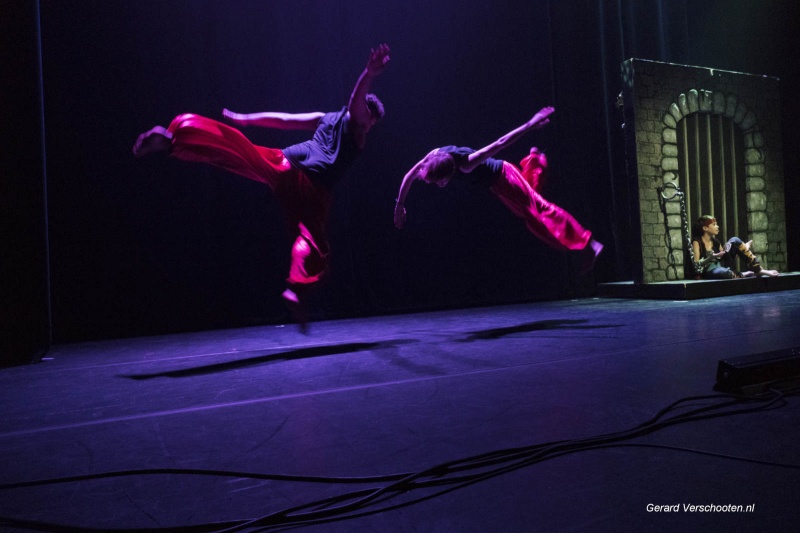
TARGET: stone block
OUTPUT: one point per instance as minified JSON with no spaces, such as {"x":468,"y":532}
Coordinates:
{"x":655,"y":207}
{"x":693,"y":101}
{"x":648,"y":149}
{"x":653,"y":161}
{"x":674,"y":221}
{"x":654,"y":241}
{"x":670,"y":150}
{"x":748,"y":121}
{"x":706,"y":100}
{"x":676,"y":239}
{"x":741,"y":111}
{"x":756,"y":201}
{"x":760,"y":242}
{"x":650,"y":217}
{"x":719,"y":102}
{"x":755,"y":171}
{"x":645,"y":177}
{"x":758,"y":221}
{"x":669,"y":163}
{"x":683,"y":104}
{"x":658,"y":276}
{"x":754,"y":140}
{"x":755,"y":184}
{"x":669,"y":121}
{"x":675,"y":111}
{"x":753,"y":156}
{"x":730,"y":105}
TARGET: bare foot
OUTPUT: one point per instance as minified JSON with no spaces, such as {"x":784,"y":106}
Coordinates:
{"x":297,"y":309}
{"x":589,"y":256}
{"x":155,"y":140}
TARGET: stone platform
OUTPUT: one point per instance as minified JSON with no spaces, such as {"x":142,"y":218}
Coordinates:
{"x":693,"y":290}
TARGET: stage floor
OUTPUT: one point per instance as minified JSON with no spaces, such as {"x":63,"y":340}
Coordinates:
{"x":553,"y":401}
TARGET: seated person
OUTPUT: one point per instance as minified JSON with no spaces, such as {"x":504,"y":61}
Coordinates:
{"x":713,"y":260}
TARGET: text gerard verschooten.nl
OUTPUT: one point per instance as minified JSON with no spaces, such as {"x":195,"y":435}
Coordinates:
{"x":701,"y":508}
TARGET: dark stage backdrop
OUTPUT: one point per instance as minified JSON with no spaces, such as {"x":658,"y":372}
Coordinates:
{"x":144,"y":246}
{"x":153,"y":246}
{"x":24,"y":295}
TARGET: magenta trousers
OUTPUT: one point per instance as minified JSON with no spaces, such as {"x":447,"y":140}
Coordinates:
{"x":550,"y":223}
{"x":204,"y":140}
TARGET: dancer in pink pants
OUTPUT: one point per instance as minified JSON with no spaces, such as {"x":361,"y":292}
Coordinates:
{"x":301,"y":176}
{"x":512,"y":185}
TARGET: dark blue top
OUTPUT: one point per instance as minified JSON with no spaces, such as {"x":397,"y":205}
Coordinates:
{"x":325,"y":157}
{"x":484,"y":174}
{"x":716,"y":247}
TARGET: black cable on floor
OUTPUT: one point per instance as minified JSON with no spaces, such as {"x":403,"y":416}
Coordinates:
{"x":440,"y":479}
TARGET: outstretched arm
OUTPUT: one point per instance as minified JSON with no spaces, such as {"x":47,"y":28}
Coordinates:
{"x":701,"y":263}
{"x":281,"y":121}
{"x":376,"y":64}
{"x":538,"y":120}
{"x":411,"y":176}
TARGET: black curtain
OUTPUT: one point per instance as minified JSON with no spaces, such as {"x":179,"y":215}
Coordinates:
{"x":156,"y":245}
{"x":24,"y":278}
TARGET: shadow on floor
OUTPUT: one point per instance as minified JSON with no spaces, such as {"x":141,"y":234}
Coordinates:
{"x":539,"y":325}
{"x":262,"y":357}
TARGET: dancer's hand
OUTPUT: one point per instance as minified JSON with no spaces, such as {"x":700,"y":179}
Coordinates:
{"x":378,"y":59}
{"x":399,"y":215}
{"x":541,"y":118}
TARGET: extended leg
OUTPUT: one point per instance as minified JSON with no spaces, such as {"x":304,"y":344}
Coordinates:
{"x":738,"y":248}
{"x":203,"y":140}
{"x":308,"y":267}
{"x":550,"y":223}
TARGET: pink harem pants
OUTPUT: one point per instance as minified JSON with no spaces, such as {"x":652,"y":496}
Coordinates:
{"x":204,"y":140}
{"x":547,"y":221}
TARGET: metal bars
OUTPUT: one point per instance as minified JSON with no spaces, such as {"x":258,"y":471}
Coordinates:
{"x":711,"y":171}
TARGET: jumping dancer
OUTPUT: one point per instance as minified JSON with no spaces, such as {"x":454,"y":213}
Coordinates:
{"x":716,"y":260}
{"x":514,"y":186}
{"x":301,"y":176}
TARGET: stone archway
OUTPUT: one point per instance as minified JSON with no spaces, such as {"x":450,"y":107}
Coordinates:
{"x":656,"y":97}
{"x":729,"y":106}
